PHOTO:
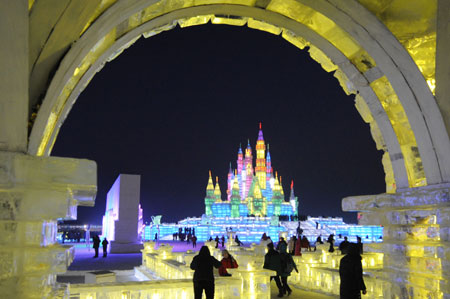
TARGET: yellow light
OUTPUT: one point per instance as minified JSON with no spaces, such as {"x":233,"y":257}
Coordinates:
{"x":432,"y":84}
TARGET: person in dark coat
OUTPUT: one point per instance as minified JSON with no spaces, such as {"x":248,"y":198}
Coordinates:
{"x":287,"y":265}
{"x":331,"y":241}
{"x":105,"y":246}
{"x":344,"y":245}
{"x":282,"y":242}
{"x":272,"y":261}
{"x":203,"y":264}
{"x":96,"y":244}
{"x":359,"y":244}
{"x":217,"y":241}
{"x":351,"y":274}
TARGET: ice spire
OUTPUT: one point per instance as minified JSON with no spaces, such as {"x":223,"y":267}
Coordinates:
{"x":210,"y":182}
{"x":293,"y":200}
{"x":210,"y":197}
{"x":292,"y":189}
{"x":230,"y":182}
{"x":260,"y":168}
{"x":269,"y":169}
{"x":247,"y":172}
{"x":277,"y":197}
{"x":240,"y":160}
{"x":217,"y":192}
{"x":235,"y":199}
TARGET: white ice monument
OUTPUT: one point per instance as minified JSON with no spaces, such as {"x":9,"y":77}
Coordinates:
{"x":122,"y":221}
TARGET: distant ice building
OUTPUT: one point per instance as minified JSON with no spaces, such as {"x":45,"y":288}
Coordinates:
{"x":255,"y":204}
{"x":251,"y":191}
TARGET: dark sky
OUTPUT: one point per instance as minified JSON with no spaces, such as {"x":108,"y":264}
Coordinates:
{"x":176,"y":105}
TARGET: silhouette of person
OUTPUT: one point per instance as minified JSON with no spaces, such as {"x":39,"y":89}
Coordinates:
{"x":203,"y":264}
{"x":194,"y":241}
{"x":223,"y":241}
{"x":272,"y":261}
{"x":331,"y":241}
{"x":344,"y":246}
{"x":359,"y":244}
{"x":96,"y":244}
{"x":287,"y":265}
{"x":282,"y":242}
{"x":217,"y":241}
{"x":351,"y":274}
{"x":105,"y":246}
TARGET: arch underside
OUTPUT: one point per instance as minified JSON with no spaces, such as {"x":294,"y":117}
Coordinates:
{"x":385,"y":97}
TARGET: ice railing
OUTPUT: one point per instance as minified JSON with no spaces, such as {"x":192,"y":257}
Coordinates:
{"x":318,"y":270}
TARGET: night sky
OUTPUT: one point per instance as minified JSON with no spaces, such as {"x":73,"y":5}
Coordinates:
{"x":176,"y":105}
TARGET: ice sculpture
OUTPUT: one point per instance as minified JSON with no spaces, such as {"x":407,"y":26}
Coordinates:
{"x":121,"y":219}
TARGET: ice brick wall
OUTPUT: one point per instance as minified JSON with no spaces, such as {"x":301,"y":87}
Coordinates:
{"x":34,"y":194}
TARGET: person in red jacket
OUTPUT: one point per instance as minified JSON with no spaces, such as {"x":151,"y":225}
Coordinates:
{"x":227,"y":262}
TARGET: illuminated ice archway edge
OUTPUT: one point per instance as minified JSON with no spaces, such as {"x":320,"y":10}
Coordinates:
{"x":391,"y":93}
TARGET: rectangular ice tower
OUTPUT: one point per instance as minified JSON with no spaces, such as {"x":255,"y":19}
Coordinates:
{"x":120,"y":223}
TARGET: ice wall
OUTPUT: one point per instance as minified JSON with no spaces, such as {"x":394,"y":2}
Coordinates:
{"x":34,"y":193}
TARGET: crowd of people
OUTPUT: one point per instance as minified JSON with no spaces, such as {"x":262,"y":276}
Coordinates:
{"x":279,"y":259}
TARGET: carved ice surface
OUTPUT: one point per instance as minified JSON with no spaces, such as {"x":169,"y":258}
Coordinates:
{"x":34,"y":193}
{"x":415,"y":237}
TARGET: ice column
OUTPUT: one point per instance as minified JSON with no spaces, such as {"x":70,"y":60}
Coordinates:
{"x":415,"y":239}
{"x":34,"y":193}
{"x":120,"y":223}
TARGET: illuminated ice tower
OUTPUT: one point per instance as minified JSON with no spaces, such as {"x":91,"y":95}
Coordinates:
{"x":293,"y":200}
{"x":260,"y":168}
{"x":247,"y":172}
{"x":210,"y":197}
{"x":257,"y":203}
{"x":230,"y":182}
{"x":269,"y":177}
{"x":217,"y":193}
{"x":277,"y":197}
{"x":235,"y":199}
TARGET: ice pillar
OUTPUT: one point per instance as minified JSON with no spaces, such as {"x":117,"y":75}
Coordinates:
{"x":34,"y":193}
{"x":121,"y":220}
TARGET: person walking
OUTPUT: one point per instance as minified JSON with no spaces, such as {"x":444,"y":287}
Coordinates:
{"x":287,"y":265}
{"x":223,"y":241}
{"x":351,"y":274}
{"x":105,"y":246}
{"x":96,"y":244}
{"x":227,"y":261}
{"x":331,"y":241}
{"x":281,"y":242}
{"x":194,"y":241}
{"x":217,"y":241}
{"x":272,"y":261}
{"x":203,"y":264}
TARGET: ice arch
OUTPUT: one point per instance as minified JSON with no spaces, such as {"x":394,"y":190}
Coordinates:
{"x":343,"y":36}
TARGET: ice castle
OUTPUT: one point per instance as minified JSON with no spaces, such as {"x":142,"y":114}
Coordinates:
{"x":255,"y":204}
{"x":251,"y":191}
